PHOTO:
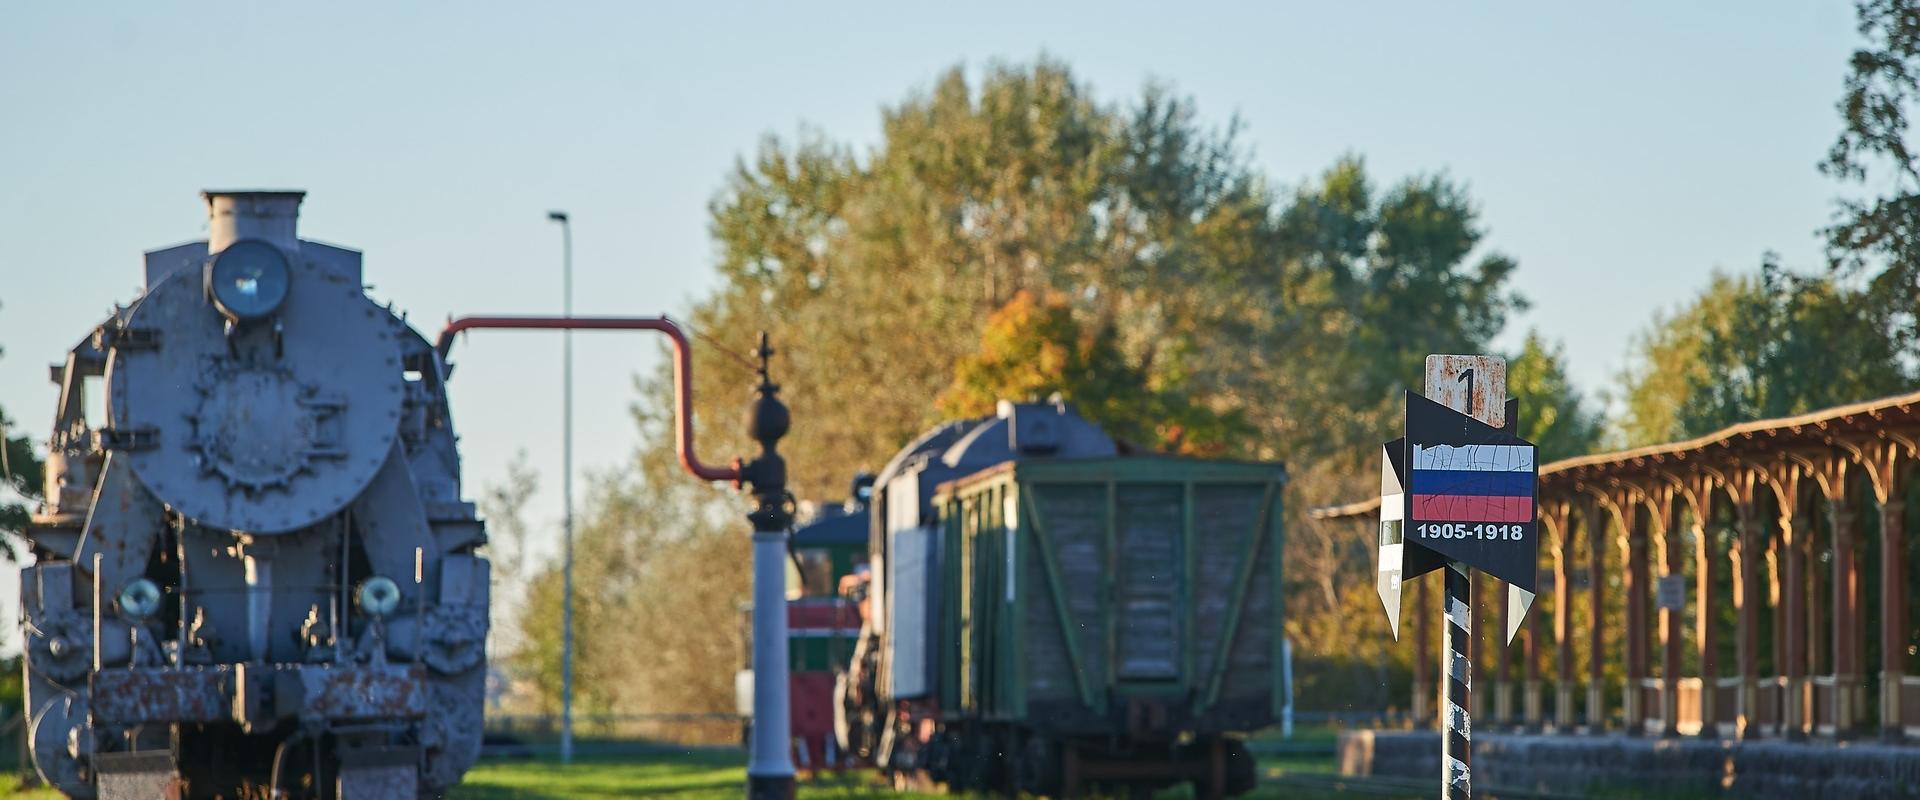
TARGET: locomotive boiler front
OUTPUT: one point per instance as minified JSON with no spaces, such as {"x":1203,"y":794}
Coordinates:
{"x":254,"y":571}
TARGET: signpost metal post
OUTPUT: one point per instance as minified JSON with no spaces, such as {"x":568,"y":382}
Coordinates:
{"x":1456,"y":692}
{"x":1458,"y":492}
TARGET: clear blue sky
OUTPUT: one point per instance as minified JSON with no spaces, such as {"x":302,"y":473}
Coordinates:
{"x":1619,"y":151}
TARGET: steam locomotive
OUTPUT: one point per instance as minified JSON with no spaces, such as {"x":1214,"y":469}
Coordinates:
{"x":254,"y":574}
{"x":1050,"y":613}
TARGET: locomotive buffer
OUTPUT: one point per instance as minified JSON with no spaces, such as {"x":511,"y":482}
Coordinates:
{"x":1458,"y":492}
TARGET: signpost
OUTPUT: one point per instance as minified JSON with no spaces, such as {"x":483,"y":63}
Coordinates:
{"x":1458,"y":492}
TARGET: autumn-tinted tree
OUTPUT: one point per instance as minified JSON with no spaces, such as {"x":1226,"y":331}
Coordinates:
{"x":1033,"y":348}
{"x":1246,"y":320}
{"x":877,"y":272}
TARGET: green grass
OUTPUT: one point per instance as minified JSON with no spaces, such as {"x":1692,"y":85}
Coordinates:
{"x":687,"y":776}
{"x":684,"y":776}
{"x":702,"y":775}
{"x":10,"y":787}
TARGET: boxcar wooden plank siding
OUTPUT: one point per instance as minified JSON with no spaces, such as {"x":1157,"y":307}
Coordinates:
{"x":1248,"y":571}
{"x":1050,"y":665}
{"x":1147,"y":585}
{"x":1063,"y":631}
{"x":1075,"y":518}
{"x":1229,"y":514}
{"x":1251,"y":663}
{"x":1088,"y":588}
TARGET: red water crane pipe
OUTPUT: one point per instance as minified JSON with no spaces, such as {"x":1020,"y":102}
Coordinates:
{"x":682,"y":371}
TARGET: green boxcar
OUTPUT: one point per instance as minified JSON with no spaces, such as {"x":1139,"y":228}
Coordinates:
{"x":1135,"y":597}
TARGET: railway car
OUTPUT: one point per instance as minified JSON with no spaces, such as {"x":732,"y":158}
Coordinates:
{"x":822,"y":625}
{"x":254,"y":574}
{"x":1050,"y":612}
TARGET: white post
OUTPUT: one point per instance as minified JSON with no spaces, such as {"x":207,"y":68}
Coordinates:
{"x":1286,"y":676}
{"x":770,"y":769}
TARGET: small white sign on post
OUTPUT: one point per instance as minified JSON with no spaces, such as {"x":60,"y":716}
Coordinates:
{"x":1672,"y":591}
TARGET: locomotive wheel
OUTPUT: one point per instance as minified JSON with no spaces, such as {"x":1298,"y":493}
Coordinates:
{"x":59,"y":725}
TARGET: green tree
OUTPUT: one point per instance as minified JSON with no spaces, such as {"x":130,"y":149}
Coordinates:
{"x":1879,"y":229}
{"x":22,"y":481}
{"x":21,"y":475}
{"x":1756,"y":347}
{"x":1390,"y":279}
{"x":1553,"y":414}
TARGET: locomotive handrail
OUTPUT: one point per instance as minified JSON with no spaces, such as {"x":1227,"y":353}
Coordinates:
{"x":682,"y":371}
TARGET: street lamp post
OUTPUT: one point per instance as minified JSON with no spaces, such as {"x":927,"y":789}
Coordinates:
{"x":566,"y":489}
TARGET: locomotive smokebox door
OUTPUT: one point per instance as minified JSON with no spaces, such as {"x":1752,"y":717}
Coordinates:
{"x":292,"y":389}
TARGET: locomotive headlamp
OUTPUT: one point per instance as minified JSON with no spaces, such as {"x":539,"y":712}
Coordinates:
{"x":248,"y":280}
{"x":140,"y":599}
{"x":379,"y":596}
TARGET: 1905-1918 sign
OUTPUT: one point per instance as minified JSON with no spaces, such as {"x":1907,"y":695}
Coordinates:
{"x":1458,"y":494}
{"x":1469,"y":492}
{"x":1457,"y":489}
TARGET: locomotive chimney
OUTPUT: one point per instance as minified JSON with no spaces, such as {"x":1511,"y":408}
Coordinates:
{"x":252,"y":214}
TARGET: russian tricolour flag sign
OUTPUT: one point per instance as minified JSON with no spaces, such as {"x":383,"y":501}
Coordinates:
{"x":1460,"y":487}
{"x":1473,"y":483}
{"x":1457,"y":489}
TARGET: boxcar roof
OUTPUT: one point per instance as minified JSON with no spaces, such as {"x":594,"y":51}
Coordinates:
{"x":838,"y":529}
{"x":1127,"y":468}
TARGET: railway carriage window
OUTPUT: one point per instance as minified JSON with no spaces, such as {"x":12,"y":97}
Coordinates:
{"x":812,"y":575}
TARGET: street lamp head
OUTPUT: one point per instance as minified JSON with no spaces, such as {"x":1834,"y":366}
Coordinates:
{"x":557,"y":216}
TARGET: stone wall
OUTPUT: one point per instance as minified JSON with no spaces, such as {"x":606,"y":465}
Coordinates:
{"x":1621,"y":766}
